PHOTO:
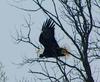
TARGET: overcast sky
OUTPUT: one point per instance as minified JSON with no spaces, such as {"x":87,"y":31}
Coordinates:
{"x":11,"y":18}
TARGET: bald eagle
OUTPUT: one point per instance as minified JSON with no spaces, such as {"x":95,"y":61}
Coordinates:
{"x":47,"y":39}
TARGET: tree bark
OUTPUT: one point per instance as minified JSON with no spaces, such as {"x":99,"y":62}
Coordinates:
{"x":88,"y":71}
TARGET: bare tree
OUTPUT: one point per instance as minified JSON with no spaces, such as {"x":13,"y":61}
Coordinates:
{"x":3,"y":76}
{"x":77,"y":16}
{"x":24,"y":80}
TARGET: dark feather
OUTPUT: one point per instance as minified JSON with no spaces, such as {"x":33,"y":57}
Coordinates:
{"x":47,"y":39}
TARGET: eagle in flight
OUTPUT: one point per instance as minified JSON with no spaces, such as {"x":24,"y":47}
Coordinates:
{"x":47,"y":39}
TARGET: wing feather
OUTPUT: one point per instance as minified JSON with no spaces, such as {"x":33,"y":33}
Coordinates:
{"x":47,"y":38}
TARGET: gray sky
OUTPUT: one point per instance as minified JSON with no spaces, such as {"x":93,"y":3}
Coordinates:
{"x":11,"y":18}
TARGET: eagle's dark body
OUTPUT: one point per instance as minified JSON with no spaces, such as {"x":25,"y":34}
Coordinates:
{"x":47,"y":39}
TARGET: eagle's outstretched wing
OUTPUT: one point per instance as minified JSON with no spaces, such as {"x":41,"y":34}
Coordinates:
{"x":47,"y":38}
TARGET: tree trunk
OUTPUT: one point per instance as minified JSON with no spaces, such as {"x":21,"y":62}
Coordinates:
{"x":88,"y":71}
